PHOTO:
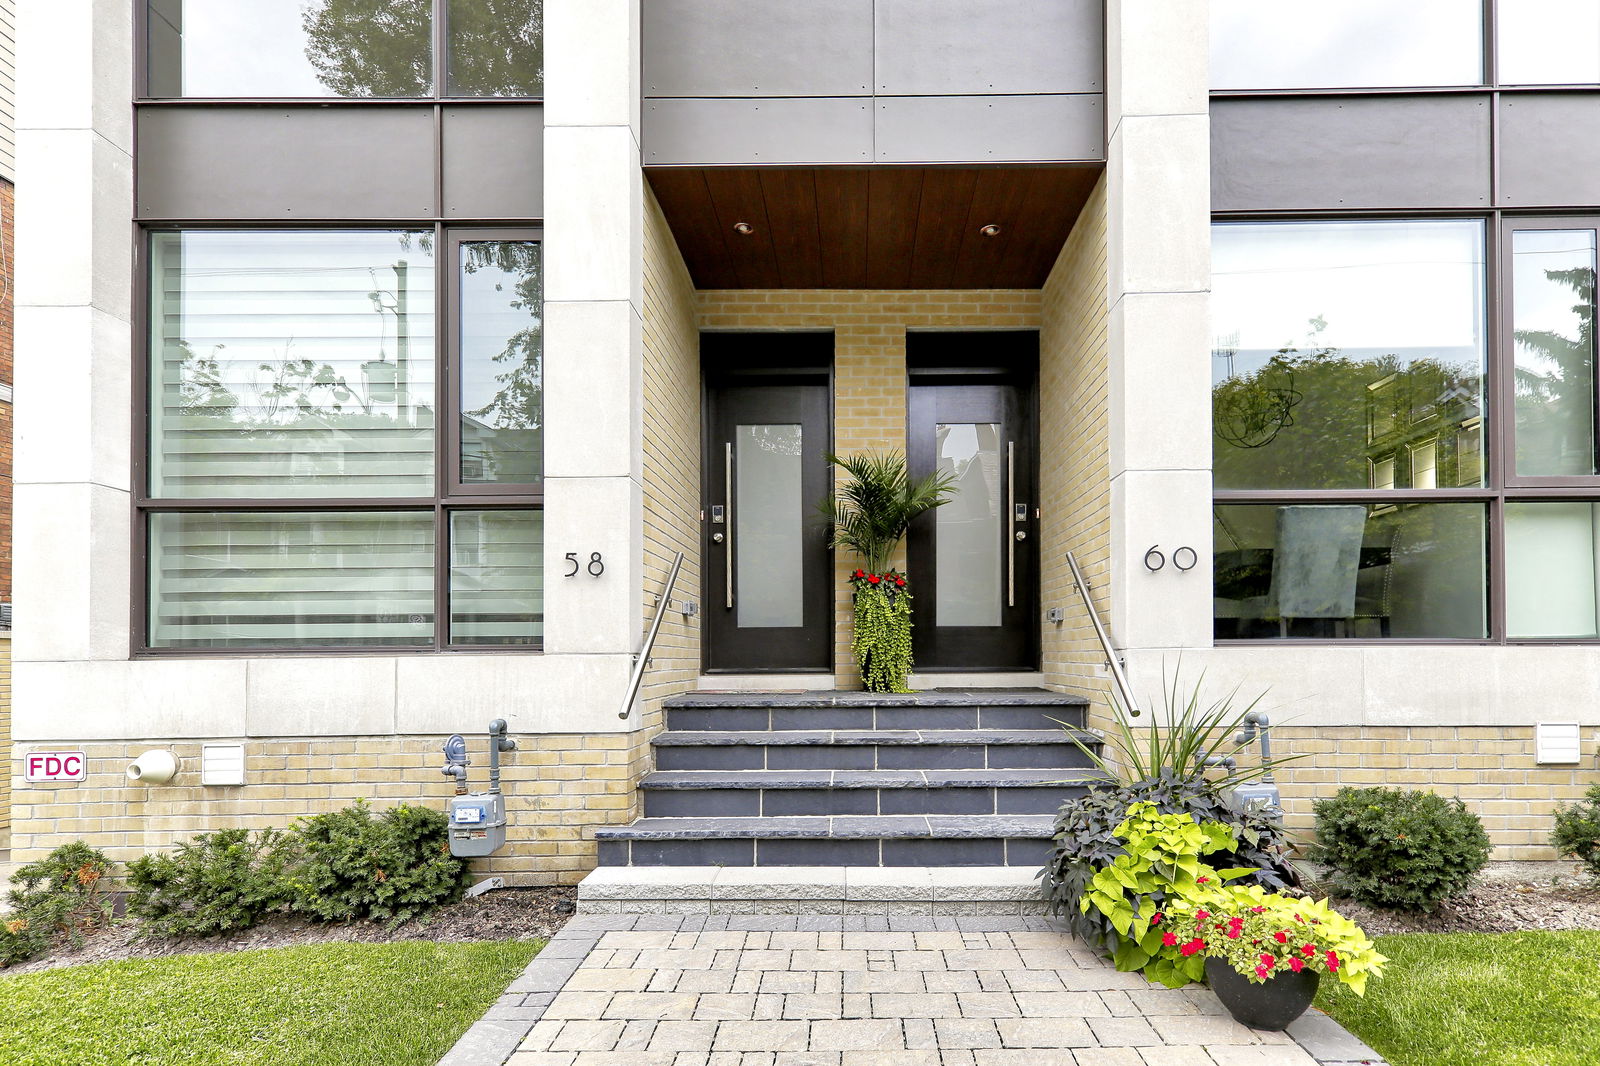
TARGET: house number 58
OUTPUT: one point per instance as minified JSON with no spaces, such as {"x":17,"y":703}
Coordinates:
{"x":596,"y":566}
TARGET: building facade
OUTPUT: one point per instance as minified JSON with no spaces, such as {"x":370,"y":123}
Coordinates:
{"x":407,"y":359}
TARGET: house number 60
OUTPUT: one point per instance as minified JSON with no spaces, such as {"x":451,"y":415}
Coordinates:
{"x":596,"y":566}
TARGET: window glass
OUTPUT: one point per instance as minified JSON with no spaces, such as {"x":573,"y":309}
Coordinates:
{"x":1552,"y":288}
{"x":330,"y":578}
{"x":1549,"y":42}
{"x":1348,"y":355}
{"x":291,"y":364}
{"x":1268,"y":44}
{"x":502,"y":346}
{"x":1350,"y":571}
{"x":1551,"y":571}
{"x":348,"y":48}
{"x":496,"y":577}
{"x":496,"y":48}
{"x":768,"y":525}
{"x":969,"y":569}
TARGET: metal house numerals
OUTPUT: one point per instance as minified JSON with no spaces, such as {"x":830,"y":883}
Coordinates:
{"x":596,"y":565}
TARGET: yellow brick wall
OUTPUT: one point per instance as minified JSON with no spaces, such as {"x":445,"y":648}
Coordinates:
{"x":869,"y":368}
{"x":558,"y":789}
{"x":1074,"y":473}
{"x":5,"y":735}
{"x":671,"y":460}
{"x":1489,"y":768}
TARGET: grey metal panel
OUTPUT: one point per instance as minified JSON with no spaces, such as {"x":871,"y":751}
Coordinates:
{"x":830,"y":130}
{"x":967,"y":47}
{"x":494,"y":161}
{"x":740,"y":48}
{"x":354,"y":162}
{"x":1549,"y":150}
{"x":1332,"y":153}
{"x":989,"y":129}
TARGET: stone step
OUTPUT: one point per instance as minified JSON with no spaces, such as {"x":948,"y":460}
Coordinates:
{"x":845,"y":840}
{"x":863,"y":749}
{"x":774,"y":793}
{"x":939,"y":709}
{"x":811,"y":890}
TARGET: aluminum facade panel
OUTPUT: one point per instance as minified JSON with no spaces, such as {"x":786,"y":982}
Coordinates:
{"x":285,"y":162}
{"x":1340,"y":153}
{"x":1549,"y":150}
{"x":989,"y":129}
{"x":970,"y":47}
{"x":743,"y":48}
{"x":828,"y":130}
{"x":493,"y":161}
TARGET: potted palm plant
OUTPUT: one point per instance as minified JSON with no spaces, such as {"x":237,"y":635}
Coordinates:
{"x":869,"y":514}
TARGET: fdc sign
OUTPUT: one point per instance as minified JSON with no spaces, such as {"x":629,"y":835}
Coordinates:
{"x":54,"y":766}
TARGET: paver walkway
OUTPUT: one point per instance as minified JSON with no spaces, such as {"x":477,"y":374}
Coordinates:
{"x":710,"y":990}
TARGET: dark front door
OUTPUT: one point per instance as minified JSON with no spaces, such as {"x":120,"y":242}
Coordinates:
{"x":767,"y":569}
{"x":974,"y":561}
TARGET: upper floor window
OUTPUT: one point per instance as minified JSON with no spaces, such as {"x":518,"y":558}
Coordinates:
{"x":1356,"y":44}
{"x":1549,"y":42}
{"x":381,"y":49}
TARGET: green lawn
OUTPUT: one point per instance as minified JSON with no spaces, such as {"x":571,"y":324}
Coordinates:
{"x":324,"y":1005}
{"x":1461,"y":999}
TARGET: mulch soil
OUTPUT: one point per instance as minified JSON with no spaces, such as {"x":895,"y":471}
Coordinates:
{"x":506,"y":914}
{"x":1490,"y":907}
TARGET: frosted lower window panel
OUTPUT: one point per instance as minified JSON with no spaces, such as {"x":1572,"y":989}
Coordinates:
{"x":496,"y":577}
{"x":1551,"y":570}
{"x":326,"y":578}
{"x":768,"y":522}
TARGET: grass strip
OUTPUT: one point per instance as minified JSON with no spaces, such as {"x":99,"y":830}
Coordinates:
{"x":399,"y":1004}
{"x":1462,"y":999}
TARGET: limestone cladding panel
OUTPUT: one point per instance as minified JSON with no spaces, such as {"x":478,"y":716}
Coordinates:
{"x":671,"y":462}
{"x":1074,"y":477}
{"x":869,"y":368}
{"x":558,"y":787}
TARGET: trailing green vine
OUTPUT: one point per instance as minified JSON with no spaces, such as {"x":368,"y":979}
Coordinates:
{"x":882,"y":640}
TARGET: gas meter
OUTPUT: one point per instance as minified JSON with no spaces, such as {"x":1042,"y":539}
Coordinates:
{"x":477,"y":819}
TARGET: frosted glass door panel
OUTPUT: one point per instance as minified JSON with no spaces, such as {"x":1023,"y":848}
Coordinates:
{"x":768,"y":519}
{"x":1552,"y":279}
{"x":968,"y":566}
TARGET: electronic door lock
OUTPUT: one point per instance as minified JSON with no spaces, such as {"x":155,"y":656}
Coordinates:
{"x":717,"y":514}
{"x":1022,"y":513}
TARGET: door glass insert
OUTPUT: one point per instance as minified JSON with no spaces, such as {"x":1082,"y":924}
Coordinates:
{"x":967,"y":566}
{"x":768,"y":519}
{"x":1552,"y":279}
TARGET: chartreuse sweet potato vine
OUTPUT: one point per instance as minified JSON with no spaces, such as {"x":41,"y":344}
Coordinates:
{"x":1172,"y":911}
{"x":882,"y":639}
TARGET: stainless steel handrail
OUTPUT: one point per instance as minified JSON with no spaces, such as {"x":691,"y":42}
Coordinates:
{"x":640,"y":660}
{"x":1118,"y":678}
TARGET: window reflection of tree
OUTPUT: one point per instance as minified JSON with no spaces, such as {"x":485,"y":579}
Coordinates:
{"x":1324,"y":418}
{"x":1556,"y":407}
{"x":383,"y":48}
{"x":501,"y":439}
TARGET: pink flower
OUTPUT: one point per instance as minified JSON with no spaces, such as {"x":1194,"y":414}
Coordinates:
{"x":1282,"y":938}
{"x":1268,"y":961}
{"x":1261,"y":971}
{"x":1296,"y":965}
{"x":1169,"y":939}
{"x":1333,"y":962}
{"x":1308,"y":950}
{"x":1201,"y":880}
{"x":1257,"y":910}
{"x":1233,"y":933}
{"x":1201,"y":916}
{"x":1191,"y":947}
{"x":1156,"y":917}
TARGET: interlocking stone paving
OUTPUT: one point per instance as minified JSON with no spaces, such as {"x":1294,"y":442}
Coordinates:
{"x":705,"y":990}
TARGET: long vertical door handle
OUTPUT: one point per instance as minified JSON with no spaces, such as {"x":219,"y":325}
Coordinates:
{"x":1011,"y":530}
{"x":727,"y":543}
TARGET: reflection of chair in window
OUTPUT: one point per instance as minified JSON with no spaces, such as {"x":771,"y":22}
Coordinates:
{"x":1315,"y":563}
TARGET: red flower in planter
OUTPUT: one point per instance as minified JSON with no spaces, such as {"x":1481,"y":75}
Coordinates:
{"x":1296,"y":965}
{"x":874,"y":579}
{"x":1191,"y":947}
{"x":1333,"y":962}
{"x":1169,"y":939}
{"x":1156,"y":917}
{"x":1268,"y":961}
{"x":859,"y":573}
{"x":1282,"y":938}
{"x":1201,"y":916}
{"x":900,"y":581}
{"x":1308,"y":950}
{"x":1261,"y":972}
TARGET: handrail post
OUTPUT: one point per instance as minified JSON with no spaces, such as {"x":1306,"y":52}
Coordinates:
{"x":1118,"y":678}
{"x":650,"y":640}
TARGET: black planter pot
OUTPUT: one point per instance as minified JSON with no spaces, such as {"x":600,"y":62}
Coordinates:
{"x":1270,"y":1005}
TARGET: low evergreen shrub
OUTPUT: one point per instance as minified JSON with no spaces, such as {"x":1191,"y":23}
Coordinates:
{"x":216,"y":882}
{"x":350,"y":864}
{"x":62,"y":897}
{"x":1577,"y":831}
{"x":1398,"y":848}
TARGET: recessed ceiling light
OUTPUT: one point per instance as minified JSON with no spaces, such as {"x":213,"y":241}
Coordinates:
{"x":991,"y":230}
{"x":743,"y":229}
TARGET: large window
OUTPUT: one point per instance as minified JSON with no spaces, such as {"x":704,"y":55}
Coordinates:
{"x":327,"y":466}
{"x":344,"y":48}
{"x":1386,"y":470}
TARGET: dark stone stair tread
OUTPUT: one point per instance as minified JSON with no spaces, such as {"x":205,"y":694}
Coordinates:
{"x":840,"y":827}
{"x":996,"y":697}
{"x":862,"y":737}
{"x":862,"y":779}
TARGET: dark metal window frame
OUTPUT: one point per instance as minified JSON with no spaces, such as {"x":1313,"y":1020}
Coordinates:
{"x":1499,"y":489}
{"x":447,"y":497}
{"x":440,"y":42}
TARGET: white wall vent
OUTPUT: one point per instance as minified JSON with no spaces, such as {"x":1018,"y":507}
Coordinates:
{"x":1556,"y":743}
{"x":223,"y":764}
